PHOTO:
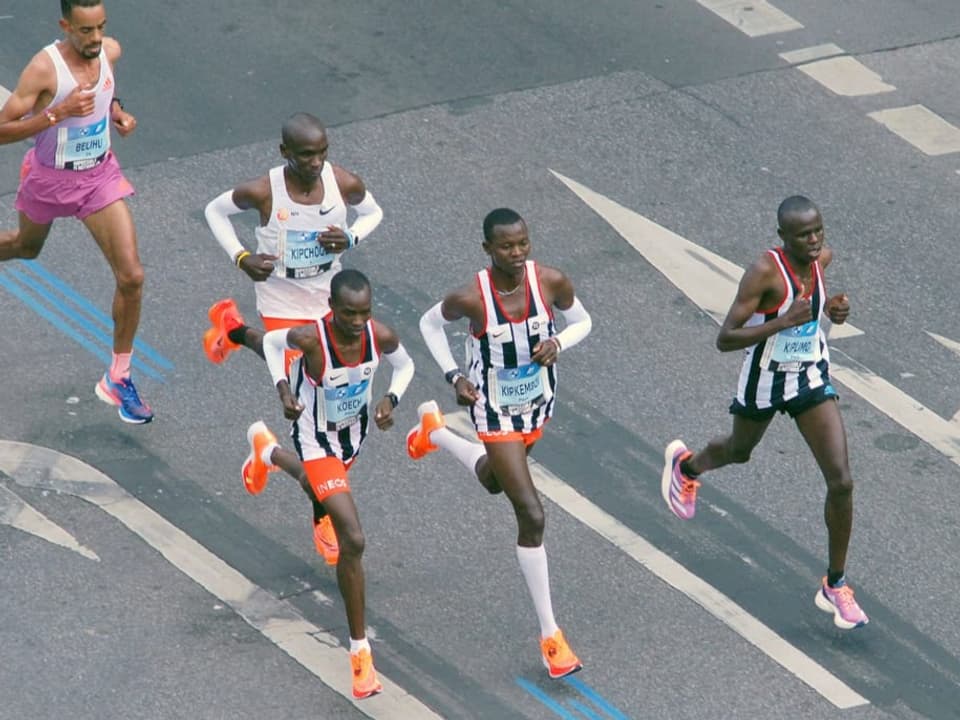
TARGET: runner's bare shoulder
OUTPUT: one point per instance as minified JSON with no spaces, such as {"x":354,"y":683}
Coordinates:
{"x":113,"y":49}
{"x":351,"y":186}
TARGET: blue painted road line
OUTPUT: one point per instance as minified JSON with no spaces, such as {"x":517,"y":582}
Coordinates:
{"x":546,"y":700}
{"x":596,"y":698}
{"x":47,"y":307}
{"x":58,"y":285}
{"x":25,"y":297}
{"x":584,"y":710}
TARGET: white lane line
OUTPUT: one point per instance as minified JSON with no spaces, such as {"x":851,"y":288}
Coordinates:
{"x":316,"y":650}
{"x":674,"y":574}
{"x":685,"y":263}
{"x":912,"y":415}
{"x":18,"y":513}
{"x":753,"y":17}
{"x":817,"y":52}
{"x":922,"y":128}
{"x":954,"y":347}
{"x":951,"y":345}
{"x":846,"y":76}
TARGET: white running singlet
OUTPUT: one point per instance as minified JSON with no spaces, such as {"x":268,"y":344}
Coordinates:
{"x":300,"y":284}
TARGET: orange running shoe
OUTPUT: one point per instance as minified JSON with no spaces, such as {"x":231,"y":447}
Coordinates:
{"x":224,"y":316}
{"x":254,"y":470}
{"x":558,"y":658}
{"x":325,"y":539}
{"x":418,"y":439}
{"x":365,"y":681}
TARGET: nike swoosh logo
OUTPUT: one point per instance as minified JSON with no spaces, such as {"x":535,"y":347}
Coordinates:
{"x":326,"y":212}
{"x":498,"y":334}
{"x":337,"y":378}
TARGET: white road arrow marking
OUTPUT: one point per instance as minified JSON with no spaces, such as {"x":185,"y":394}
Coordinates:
{"x":710,"y":282}
{"x":17,"y":513}
{"x":316,"y":650}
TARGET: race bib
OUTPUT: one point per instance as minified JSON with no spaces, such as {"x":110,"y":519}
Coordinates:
{"x":303,"y":255}
{"x":344,"y":405}
{"x":80,"y":148}
{"x":798,"y":344}
{"x":519,"y":390}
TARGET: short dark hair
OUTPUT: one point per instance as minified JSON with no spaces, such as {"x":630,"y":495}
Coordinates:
{"x":500,"y":216}
{"x":350,"y":280}
{"x":298,"y":122}
{"x":793,"y":204}
{"x":67,"y":6}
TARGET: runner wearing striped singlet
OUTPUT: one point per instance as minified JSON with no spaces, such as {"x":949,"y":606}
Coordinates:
{"x":776,"y":319}
{"x":66,"y":99}
{"x":329,"y":398}
{"x":510,"y":391}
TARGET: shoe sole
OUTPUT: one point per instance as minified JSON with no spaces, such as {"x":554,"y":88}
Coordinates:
{"x":364,"y":696}
{"x":824,"y":604}
{"x":110,"y":400}
{"x":430,"y":407}
{"x":218,"y":352}
{"x":564,"y":674}
{"x":252,"y":432}
{"x":666,"y":477}
{"x":330,"y":557}
{"x":215,"y":350}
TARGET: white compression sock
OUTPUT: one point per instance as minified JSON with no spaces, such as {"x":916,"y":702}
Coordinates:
{"x":533,"y":565}
{"x":266,"y":457}
{"x":468,"y":453}
{"x":358,"y":645}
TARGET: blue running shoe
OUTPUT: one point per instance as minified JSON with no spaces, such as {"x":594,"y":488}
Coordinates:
{"x":124,"y":395}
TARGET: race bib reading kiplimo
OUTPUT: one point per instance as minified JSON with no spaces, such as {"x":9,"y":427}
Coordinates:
{"x":519,"y":390}
{"x":797,"y":344}
{"x":343,"y":405}
{"x":303,"y":255}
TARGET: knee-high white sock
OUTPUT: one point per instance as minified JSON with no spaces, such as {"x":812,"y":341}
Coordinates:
{"x":468,"y":453}
{"x":533,"y":565}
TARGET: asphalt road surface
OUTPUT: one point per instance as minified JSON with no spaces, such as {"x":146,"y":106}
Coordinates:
{"x":139,"y":579}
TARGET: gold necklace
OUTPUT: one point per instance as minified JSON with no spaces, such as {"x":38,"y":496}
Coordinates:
{"x":505,"y":293}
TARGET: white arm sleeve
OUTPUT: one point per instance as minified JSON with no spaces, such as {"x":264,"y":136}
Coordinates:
{"x":218,"y":212}
{"x":274,"y":344}
{"x":369,"y":215}
{"x":578,"y":326}
{"x":431,"y":327}
{"x":402,"y":365}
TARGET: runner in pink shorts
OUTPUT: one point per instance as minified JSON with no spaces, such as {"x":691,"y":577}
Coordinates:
{"x":66,"y":100}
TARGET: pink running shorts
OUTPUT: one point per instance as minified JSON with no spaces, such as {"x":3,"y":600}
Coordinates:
{"x":47,"y":193}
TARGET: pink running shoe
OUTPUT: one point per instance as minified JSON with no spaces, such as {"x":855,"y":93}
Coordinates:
{"x":679,"y":491}
{"x":839,"y":600}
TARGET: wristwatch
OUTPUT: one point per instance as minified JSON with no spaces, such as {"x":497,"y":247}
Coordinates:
{"x":394,"y":400}
{"x":453,"y":375}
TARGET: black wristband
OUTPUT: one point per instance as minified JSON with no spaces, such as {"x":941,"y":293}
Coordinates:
{"x":394,"y":400}
{"x":118,"y":101}
{"x":451,"y":376}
